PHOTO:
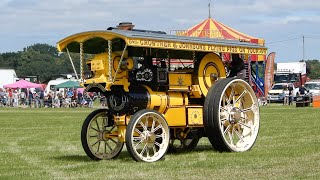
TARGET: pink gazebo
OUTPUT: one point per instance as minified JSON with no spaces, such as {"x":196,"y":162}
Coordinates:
{"x":23,"y":84}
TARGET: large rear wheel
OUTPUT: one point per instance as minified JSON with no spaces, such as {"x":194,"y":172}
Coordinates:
{"x":231,"y":115}
{"x":147,"y":136}
{"x":99,"y":136}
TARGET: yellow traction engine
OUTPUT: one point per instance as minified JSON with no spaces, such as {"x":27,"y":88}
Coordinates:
{"x":163,"y":92}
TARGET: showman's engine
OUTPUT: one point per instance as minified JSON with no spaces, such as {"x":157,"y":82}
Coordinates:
{"x":163,"y":92}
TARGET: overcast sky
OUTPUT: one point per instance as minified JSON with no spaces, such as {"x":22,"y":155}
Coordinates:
{"x":282,"y":23}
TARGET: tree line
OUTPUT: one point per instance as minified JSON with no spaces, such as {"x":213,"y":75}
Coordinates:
{"x":45,"y":61}
{"x":41,"y":60}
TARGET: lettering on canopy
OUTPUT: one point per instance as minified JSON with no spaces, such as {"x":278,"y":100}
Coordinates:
{"x":195,"y":46}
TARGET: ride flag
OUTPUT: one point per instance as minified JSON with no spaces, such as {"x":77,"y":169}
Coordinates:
{"x":269,"y":73}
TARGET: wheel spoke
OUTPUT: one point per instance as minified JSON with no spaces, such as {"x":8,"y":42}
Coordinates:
{"x":139,"y":138}
{"x":239,"y":135}
{"x":97,"y":124}
{"x":105,"y":124}
{"x":241,"y":96}
{"x":226,"y":98}
{"x":93,"y":136}
{"x":147,"y":149}
{"x":158,"y":136}
{"x":223,"y":120}
{"x":230,"y":137}
{"x":223,"y":108}
{"x":227,"y":129}
{"x":108,"y":145}
{"x":113,"y":141}
{"x":94,"y":129}
{"x":138,"y":143}
{"x":138,"y":131}
{"x":153,"y":124}
{"x":95,"y":143}
{"x":105,"y":147}
{"x":156,"y":143}
{"x":146,"y":125}
{"x":143,"y":126}
{"x":154,"y":149}
{"x":245,"y":125}
{"x":144,"y":149}
{"x":158,"y":127}
{"x":98,"y":146}
{"x":231,"y":94}
{"x":246,"y":109}
{"x":111,"y":129}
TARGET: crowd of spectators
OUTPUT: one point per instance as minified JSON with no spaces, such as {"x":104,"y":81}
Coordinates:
{"x":67,"y":98}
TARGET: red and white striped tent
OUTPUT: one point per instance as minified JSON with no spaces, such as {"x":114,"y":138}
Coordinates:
{"x":211,"y":28}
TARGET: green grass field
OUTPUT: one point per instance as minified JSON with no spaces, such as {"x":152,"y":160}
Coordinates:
{"x":45,"y":144}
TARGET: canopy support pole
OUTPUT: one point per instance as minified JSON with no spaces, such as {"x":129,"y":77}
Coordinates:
{"x":110,"y":59}
{"x":81,"y":62}
{"x":74,"y":69}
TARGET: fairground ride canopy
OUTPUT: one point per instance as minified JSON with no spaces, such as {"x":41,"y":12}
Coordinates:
{"x":211,"y":28}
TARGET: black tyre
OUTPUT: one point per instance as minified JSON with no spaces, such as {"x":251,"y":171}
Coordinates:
{"x":147,"y":136}
{"x":99,"y":136}
{"x":231,"y":115}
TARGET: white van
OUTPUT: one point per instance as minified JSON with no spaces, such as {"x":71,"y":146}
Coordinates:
{"x":51,"y":85}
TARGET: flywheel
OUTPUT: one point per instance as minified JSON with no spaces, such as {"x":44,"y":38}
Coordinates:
{"x":209,"y":70}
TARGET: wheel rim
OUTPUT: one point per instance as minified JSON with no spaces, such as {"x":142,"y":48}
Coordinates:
{"x":102,"y":139}
{"x":238,"y":116}
{"x":150,"y":137}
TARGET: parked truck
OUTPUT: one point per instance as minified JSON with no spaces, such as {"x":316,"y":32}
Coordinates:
{"x":293,"y":72}
{"x":7,"y":76}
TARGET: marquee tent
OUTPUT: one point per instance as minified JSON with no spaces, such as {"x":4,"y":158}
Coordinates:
{"x":211,"y":28}
{"x":68,"y":84}
{"x":23,"y":84}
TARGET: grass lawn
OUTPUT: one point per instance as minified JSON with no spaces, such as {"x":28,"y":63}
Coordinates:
{"x":45,"y":144}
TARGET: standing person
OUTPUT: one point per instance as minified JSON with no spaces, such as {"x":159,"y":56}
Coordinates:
{"x":69,"y":98}
{"x":23,"y":98}
{"x":60,"y":97}
{"x":9,"y":97}
{"x":90,"y":99}
{"x":1,"y":97}
{"x":15,"y":98}
{"x":36,"y":99}
{"x":103,"y":100}
{"x":290,"y":94}
{"x":286,"y":96}
{"x":80,"y":96}
{"x":41,"y":98}
{"x":30,"y":98}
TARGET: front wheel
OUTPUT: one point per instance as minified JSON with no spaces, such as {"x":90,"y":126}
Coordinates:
{"x":99,"y":136}
{"x":147,"y":136}
{"x":231,"y":115}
